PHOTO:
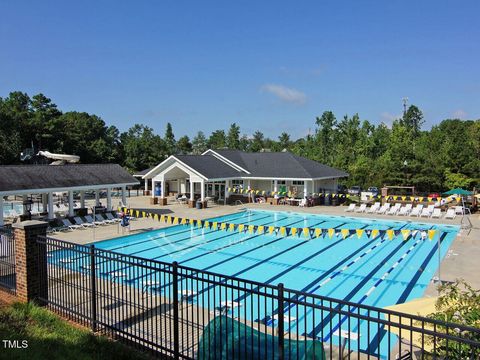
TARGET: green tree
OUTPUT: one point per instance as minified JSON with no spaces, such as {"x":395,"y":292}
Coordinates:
{"x":170,"y":143}
{"x":257,"y":142}
{"x":413,"y":119}
{"x":199,"y":143}
{"x":233,"y":137}
{"x":284,"y":141}
{"x":142,"y":148}
{"x":184,"y":145}
{"x":217,"y":140}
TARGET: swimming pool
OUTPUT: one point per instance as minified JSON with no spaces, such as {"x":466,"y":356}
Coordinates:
{"x":360,"y":268}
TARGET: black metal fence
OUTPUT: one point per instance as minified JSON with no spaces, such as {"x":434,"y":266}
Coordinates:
{"x":7,"y":261}
{"x":180,"y":312}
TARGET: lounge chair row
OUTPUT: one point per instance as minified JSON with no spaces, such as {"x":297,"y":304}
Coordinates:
{"x":407,"y":210}
{"x":78,"y":222}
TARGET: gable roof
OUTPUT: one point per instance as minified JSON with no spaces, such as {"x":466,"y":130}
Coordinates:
{"x":209,"y":166}
{"x":280,"y":165}
{"x":142,"y":172}
{"x":62,"y":177}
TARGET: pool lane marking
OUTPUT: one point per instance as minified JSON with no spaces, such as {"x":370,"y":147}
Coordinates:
{"x":186,"y":248}
{"x":374,"y":343}
{"x":209,"y":231}
{"x":258,"y":262}
{"x":164,"y":235}
{"x":289,"y":305}
{"x":373,"y":288}
{"x":212,"y":251}
{"x":362,"y":283}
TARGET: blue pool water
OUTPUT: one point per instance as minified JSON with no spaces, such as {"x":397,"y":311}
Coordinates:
{"x":372,"y":271}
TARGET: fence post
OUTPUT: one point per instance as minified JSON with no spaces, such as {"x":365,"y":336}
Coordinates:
{"x":176,"y":335}
{"x":31,"y":261}
{"x":281,"y":322}
{"x":93,"y":289}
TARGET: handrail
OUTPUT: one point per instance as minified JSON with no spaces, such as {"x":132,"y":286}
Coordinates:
{"x":238,"y":202}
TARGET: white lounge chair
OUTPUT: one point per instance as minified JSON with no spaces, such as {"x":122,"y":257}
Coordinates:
{"x":68,"y":224}
{"x":303,"y":202}
{"x":112,"y":218}
{"x":405,"y":210}
{"x":394,"y":209}
{"x":384,"y":208}
{"x":437,"y":213}
{"x":90,"y":220}
{"x":450,"y":214}
{"x":427,"y":212}
{"x":79,"y":221}
{"x":417,"y":210}
{"x":362,"y":208}
{"x":99,"y":218}
{"x":351,"y":208}
{"x":373,"y":208}
{"x":459,"y":210}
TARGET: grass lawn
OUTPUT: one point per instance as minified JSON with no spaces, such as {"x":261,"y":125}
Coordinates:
{"x":50,"y":337}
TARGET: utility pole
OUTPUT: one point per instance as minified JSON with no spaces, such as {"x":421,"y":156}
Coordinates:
{"x":405,"y":102}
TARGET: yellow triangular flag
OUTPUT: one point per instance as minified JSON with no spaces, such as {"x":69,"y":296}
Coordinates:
{"x":406,"y":234}
{"x":331,"y":232}
{"x":162,"y":218}
{"x":250,"y":229}
{"x":293,"y":231}
{"x":241,"y":227}
{"x":431,"y":234}
{"x":223,"y":226}
{"x":283,"y":231}
{"x":271,"y":229}
{"x":345,"y":233}
{"x":261,"y":229}
{"x":306,"y":232}
{"x":374,"y":233}
{"x":318,"y":232}
{"x":390,"y":234}
{"x":175,"y":220}
{"x":420,"y":198}
{"x":231,"y":227}
{"x":359,"y":233}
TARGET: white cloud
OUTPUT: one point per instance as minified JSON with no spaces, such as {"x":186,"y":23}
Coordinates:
{"x":285,"y":94}
{"x":459,"y":114}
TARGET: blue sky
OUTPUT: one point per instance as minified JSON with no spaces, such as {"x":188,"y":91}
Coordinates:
{"x":273,"y":66}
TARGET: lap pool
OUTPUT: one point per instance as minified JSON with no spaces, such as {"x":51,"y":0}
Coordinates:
{"x":367,"y":266}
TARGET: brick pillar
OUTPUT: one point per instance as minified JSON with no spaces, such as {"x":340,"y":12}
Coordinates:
{"x":30,"y":260}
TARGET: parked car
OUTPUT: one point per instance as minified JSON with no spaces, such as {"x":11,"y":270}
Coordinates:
{"x":355,"y":190}
{"x":373,"y":190}
{"x":435,"y":195}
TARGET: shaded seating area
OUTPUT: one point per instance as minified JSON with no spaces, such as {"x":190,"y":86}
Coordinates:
{"x":48,"y":181}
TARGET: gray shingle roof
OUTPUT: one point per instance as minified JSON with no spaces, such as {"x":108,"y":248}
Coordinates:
{"x":142,"y":172}
{"x":280,"y":165}
{"x":209,"y":166}
{"x":25,"y":177}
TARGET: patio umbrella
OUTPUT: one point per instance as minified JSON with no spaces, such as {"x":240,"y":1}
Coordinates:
{"x":419,"y":307}
{"x":458,"y":191}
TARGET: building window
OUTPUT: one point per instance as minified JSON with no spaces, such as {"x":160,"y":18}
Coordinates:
{"x":298,"y":182}
{"x":237,"y":184}
{"x":279,"y":182}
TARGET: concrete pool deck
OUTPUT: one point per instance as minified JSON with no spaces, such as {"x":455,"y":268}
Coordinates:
{"x":461,"y":260}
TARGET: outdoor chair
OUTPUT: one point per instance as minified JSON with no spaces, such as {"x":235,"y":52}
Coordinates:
{"x":101,"y":219}
{"x":373,"y":208}
{"x":459,"y":210}
{"x":362,"y":208}
{"x":303,"y":202}
{"x":405,"y":210}
{"x":92,"y":221}
{"x":79,"y":221}
{"x":68,"y":224}
{"x":416,"y":211}
{"x":383,"y":209}
{"x":351,"y":208}
{"x":112,"y":218}
{"x":394,"y":210}
{"x":450,"y":214}
{"x":437,"y":213}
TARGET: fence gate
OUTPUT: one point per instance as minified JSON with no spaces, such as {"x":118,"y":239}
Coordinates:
{"x":7,"y":260}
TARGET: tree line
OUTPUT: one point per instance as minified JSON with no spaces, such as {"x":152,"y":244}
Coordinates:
{"x":446,"y":156}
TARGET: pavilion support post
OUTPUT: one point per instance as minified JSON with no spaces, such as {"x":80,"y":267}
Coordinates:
{"x":82,"y":199}
{"x":146,"y":185}
{"x":275,"y":185}
{"x":124,"y":195}
{"x":44,"y":203}
{"x":70,"y":203}
{"x":1,"y":211}
{"x":97,"y":197}
{"x":109,"y":199}
{"x":191,"y":202}
{"x":51,"y":214}
{"x":163,"y":199}
{"x":202,"y":190}
{"x":227,"y":193}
